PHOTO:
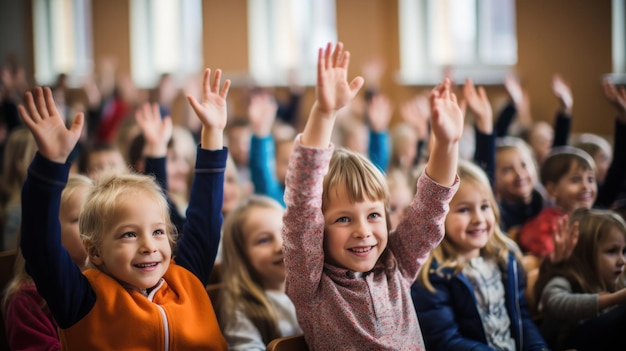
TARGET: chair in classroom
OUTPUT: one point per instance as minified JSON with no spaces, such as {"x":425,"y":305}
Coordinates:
{"x":288,"y":343}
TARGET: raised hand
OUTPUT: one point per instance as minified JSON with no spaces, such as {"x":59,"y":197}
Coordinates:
{"x":479,"y":104}
{"x":563,"y":92}
{"x":262,"y":114}
{"x":379,"y":112}
{"x":565,"y":238}
{"x":447,"y":118}
{"x":157,"y":131}
{"x":54,"y":140}
{"x":333,"y":90}
{"x":416,"y":112}
{"x":617,"y":97}
{"x":212,"y":110}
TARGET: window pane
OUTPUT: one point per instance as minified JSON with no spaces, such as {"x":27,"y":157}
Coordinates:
{"x":285,"y":35}
{"x":166,"y":37}
{"x":62,"y":40}
{"x":498,"y":44}
{"x":474,"y":37}
{"x":452,"y":31}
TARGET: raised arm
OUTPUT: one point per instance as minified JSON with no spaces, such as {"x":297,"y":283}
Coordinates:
{"x":447,"y":129}
{"x":379,"y":113}
{"x":332,"y":93}
{"x":197,"y":248}
{"x":211,"y":110}
{"x":58,"y":279}
{"x":563,"y":119}
{"x":480,"y":106}
{"x":54,"y":141}
{"x":262,"y":113}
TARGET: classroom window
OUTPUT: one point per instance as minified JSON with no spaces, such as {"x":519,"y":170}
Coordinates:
{"x":166,"y":37}
{"x":62,"y":40}
{"x":284,"y":35}
{"x":619,"y":35}
{"x":473,"y":38}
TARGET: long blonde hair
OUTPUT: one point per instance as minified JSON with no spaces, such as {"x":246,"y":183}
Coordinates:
{"x":498,"y":246}
{"x":242,"y":290}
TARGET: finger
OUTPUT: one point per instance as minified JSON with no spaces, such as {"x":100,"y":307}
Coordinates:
{"x":452,"y":96}
{"x":337,"y":54}
{"x":225,"y":89}
{"x":206,"y":89}
{"x":41,"y":103}
{"x":30,"y":103}
{"x":327,"y":55}
{"x":77,"y":124}
{"x":156,"y":112}
{"x":356,"y":84}
{"x":216,"y":81}
{"x":321,"y":65}
{"x":51,"y":107}
{"x":345,"y":60}
{"x":482,"y":93}
{"x":25,"y":116}
{"x":197,"y":107}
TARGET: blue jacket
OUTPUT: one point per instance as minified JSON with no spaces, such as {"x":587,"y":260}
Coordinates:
{"x":450,"y":320}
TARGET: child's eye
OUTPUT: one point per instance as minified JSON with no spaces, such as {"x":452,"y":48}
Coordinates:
{"x":342,"y":220}
{"x":263,"y":240}
{"x":129,"y":235}
{"x":158,"y":232}
{"x":374,"y":215}
{"x":462,"y":210}
{"x":485,"y":207}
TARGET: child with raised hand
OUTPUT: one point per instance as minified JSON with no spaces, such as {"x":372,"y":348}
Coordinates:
{"x":262,"y":162}
{"x":253,"y":306}
{"x":348,"y":277}
{"x":29,"y":324}
{"x":470,"y":293}
{"x":582,"y":297}
{"x":135,"y":296}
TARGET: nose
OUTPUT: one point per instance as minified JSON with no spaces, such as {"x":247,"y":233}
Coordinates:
{"x":362,"y":229}
{"x":147,"y":245}
{"x":478,"y":216}
{"x":279,"y":242}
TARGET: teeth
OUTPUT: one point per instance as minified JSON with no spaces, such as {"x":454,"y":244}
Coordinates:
{"x":359,"y":250}
{"x":144,"y":265}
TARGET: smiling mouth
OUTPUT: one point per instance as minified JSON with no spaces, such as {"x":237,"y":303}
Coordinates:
{"x":362,"y":250}
{"x":146,"y":265}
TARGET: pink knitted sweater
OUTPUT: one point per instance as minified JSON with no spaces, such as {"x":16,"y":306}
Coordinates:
{"x":336,"y":310}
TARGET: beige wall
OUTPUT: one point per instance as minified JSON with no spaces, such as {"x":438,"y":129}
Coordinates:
{"x":569,"y":37}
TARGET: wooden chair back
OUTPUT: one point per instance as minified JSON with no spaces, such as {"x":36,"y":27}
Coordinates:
{"x":288,"y":343}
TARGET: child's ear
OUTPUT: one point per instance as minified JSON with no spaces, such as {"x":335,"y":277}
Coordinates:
{"x":94,"y":253}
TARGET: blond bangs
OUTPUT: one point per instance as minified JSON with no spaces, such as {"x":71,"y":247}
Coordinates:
{"x":357,"y":175}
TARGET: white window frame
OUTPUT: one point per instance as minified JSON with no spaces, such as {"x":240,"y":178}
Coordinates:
{"x":284,"y":35}
{"x":165,"y":38}
{"x":618,"y":27}
{"x":416,"y":64}
{"x":62,"y":40}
